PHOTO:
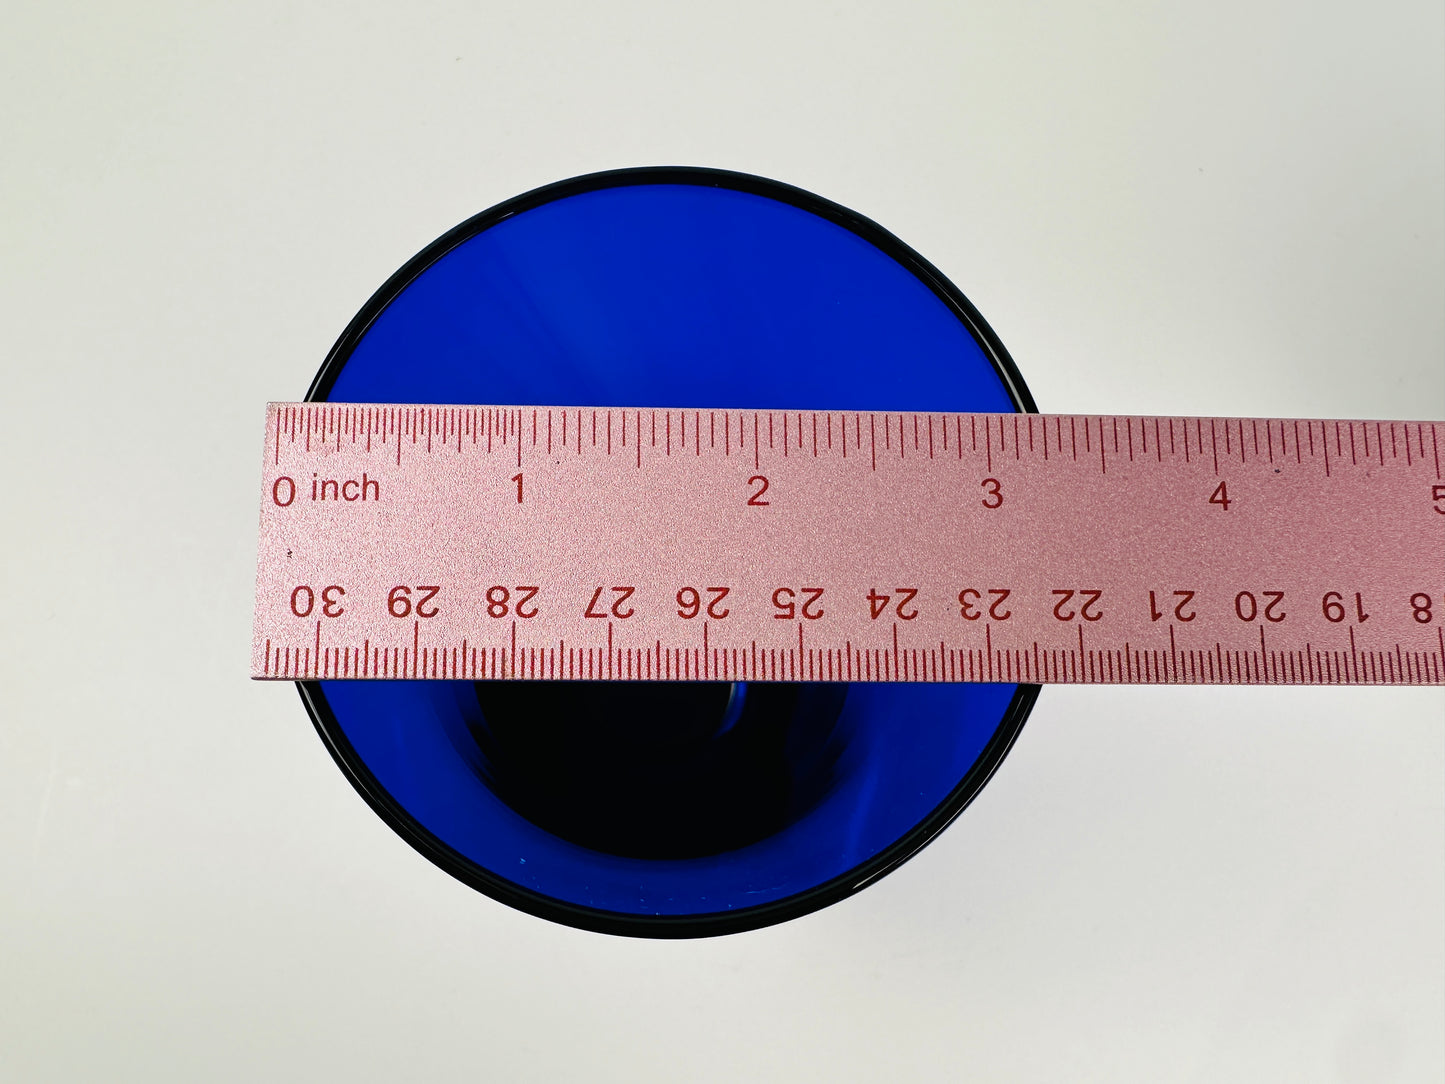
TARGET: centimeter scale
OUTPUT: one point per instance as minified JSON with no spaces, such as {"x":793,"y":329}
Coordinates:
{"x":451,"y":542}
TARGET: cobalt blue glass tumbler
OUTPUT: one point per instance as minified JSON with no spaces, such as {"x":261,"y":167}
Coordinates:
{"x":669,"y":809}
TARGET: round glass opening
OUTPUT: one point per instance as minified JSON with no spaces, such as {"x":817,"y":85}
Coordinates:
{"x":669,"y":809}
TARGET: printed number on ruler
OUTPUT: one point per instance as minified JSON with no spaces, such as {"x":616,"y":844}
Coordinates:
{"x":530,"y":543}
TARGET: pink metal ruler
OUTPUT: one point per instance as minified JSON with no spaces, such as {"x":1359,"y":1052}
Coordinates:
{"x":723,"y":545}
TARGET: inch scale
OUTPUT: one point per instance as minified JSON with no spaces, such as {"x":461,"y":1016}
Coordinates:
{"x":536,"y":543}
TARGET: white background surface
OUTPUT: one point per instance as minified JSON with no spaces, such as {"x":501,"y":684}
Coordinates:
{"x":1229,"y":208}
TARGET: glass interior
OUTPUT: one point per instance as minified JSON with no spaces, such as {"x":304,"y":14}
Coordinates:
{"x":669,"y":799}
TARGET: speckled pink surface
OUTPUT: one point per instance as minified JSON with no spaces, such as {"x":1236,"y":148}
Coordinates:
{"x":880,"y":547}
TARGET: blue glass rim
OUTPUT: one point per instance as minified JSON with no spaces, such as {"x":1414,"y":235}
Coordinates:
{"x":668,"y":925}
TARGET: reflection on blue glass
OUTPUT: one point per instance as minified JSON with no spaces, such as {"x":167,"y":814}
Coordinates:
{"x":672,"y":295}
